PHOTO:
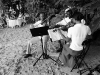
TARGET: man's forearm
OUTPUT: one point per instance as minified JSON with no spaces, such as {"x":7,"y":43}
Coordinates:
{"x":65,"y":38}
{"x":31,"y":26}
{"x":58,"y":23}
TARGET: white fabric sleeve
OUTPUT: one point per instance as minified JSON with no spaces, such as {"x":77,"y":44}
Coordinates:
{"x":69,"y":34}
{"x":62,"y":22}
{"x":37,"y":23}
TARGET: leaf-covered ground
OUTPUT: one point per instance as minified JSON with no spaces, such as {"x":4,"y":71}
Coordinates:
{"x":13,"y":43}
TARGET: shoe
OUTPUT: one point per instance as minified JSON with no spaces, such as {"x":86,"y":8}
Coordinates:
{"x":45,"y":56}
{"x":27,"y":55}
{"x":59,"y":50}
{"x":59,"y":63}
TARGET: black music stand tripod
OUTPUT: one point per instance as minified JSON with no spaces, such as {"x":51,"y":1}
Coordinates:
{"x":41,"y":31}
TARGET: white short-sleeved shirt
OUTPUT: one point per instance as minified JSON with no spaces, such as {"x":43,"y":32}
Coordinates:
{"x":78,"y":34}
{"x":65,"y":21}
{"x":38,"y":24}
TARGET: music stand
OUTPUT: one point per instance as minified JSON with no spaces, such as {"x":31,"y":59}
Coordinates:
{"x":40,"y":32}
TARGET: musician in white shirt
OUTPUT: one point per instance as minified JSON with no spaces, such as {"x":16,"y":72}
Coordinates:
{"x":65,"y":22}
{"x":76,"y":35}
{"x":45,"y":38}
{"x":66,"y":19}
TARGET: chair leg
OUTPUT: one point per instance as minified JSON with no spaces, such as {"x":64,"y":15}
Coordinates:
{"x":84,"y":70}
{"x":73,"y":68}
{"x":85,"y":64}
{"x":76,"y":64}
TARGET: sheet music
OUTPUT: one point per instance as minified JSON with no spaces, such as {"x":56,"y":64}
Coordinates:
{"x":55,"y":35}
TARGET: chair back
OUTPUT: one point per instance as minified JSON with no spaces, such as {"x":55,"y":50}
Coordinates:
{"x":86,"y":46}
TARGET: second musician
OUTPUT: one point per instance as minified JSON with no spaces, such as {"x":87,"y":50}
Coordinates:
{"x":45,"y":38}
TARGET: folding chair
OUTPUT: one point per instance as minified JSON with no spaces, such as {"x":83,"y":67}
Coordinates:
{"x":79,"y":59}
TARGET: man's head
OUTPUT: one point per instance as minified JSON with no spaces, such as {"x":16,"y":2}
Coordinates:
{"x":78,"y":17}
{"x":68,"y":13}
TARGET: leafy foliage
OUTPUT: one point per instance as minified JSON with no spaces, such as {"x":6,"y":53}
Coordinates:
{"x":33,"y":7}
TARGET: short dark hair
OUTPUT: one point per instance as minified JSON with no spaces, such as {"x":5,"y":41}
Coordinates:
{"x":2,"y":15}
{"x":78,"y":16}
{"x":69,"y":12}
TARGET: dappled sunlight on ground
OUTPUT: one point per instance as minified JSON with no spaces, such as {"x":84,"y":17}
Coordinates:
{"x":13,"y":43}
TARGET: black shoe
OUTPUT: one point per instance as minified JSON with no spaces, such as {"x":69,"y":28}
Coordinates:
{"x":59,"y":50}
{"x":45,"y":56}
{"x":59,"y":63}
{"x":27,"y":55}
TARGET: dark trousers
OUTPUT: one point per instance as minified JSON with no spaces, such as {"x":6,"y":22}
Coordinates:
{"x":67,"y":56}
